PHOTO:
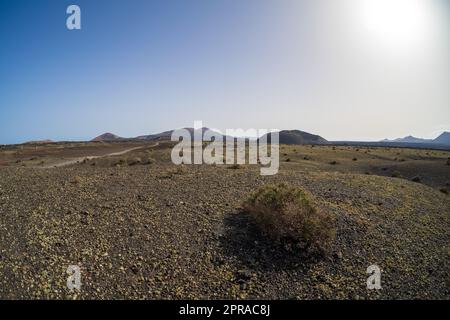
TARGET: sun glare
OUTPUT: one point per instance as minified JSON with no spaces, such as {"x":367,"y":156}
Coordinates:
{"x":397,"y":24}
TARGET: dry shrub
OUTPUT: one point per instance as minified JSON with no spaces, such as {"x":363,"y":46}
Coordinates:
{"x":169,"y":173}
{"x":77,"y":180}
{"x":396,"y":174}
{"x":416,"y":179}
{"x":134,"y":161}
{"x":121,"y":162}
{"x":234,"y":166}
{"x":287,"y":213}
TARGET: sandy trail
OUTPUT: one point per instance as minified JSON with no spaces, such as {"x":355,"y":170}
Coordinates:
{"x":69,"y":162}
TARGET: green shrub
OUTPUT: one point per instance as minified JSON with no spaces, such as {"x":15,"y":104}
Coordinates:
{"x":287,"y":213}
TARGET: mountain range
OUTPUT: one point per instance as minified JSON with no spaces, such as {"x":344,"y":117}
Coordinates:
{"x":285,"y":136}
{"x":443,"y":139}
{"x":292,"y":137}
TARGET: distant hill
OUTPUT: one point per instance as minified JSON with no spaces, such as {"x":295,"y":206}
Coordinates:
{"x":107,"y":137}
{"x":409,"y":139}
{"x":39,"y":142}
{"x":157,"y":136}
{"x":166,"y":135}
{"x":298,"y":137}
{"x":443,"y":139}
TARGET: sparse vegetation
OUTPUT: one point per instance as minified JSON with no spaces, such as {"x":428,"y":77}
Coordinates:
{"x":287,"y":213}
{"x":125,"y":219}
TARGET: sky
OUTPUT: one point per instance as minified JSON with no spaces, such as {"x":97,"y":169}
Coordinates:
{"x":343,"y":69}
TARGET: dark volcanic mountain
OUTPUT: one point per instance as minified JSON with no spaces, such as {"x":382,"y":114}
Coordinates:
{"x":298,"y":137}
{"x":107,"y":137}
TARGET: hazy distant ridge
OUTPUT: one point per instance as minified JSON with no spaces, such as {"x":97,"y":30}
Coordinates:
{"x":443,"y":139}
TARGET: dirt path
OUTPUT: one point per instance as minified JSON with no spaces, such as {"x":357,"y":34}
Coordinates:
{"x":69,"y":162}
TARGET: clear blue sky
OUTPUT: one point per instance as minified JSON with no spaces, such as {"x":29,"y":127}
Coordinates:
{"x":344,"y":69}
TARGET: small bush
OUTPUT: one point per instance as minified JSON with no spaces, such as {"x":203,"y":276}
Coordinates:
{"x":355,"y":159}
{"x":287,"y":160}
{"x":169,"y":173}
{"x":396,"y":174}
{"x":76,"y":180}
{"x":121,"y":162}
{"x":333,"y":162}
{"x":286,"y":213}
{"x":147,"y":161}
{"x":448,"y":162}
{"x":234,"y":166}
{"x":134,"y":161}
{"x":443,"y":190}
{"x":416,"y":179}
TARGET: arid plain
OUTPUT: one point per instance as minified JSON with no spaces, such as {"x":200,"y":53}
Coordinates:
{"x":140,"y":227}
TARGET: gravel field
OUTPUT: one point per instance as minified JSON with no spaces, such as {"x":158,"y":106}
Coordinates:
{"x":156,"y":231}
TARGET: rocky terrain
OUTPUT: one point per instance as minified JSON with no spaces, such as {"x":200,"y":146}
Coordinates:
{"x":142,"y":228}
